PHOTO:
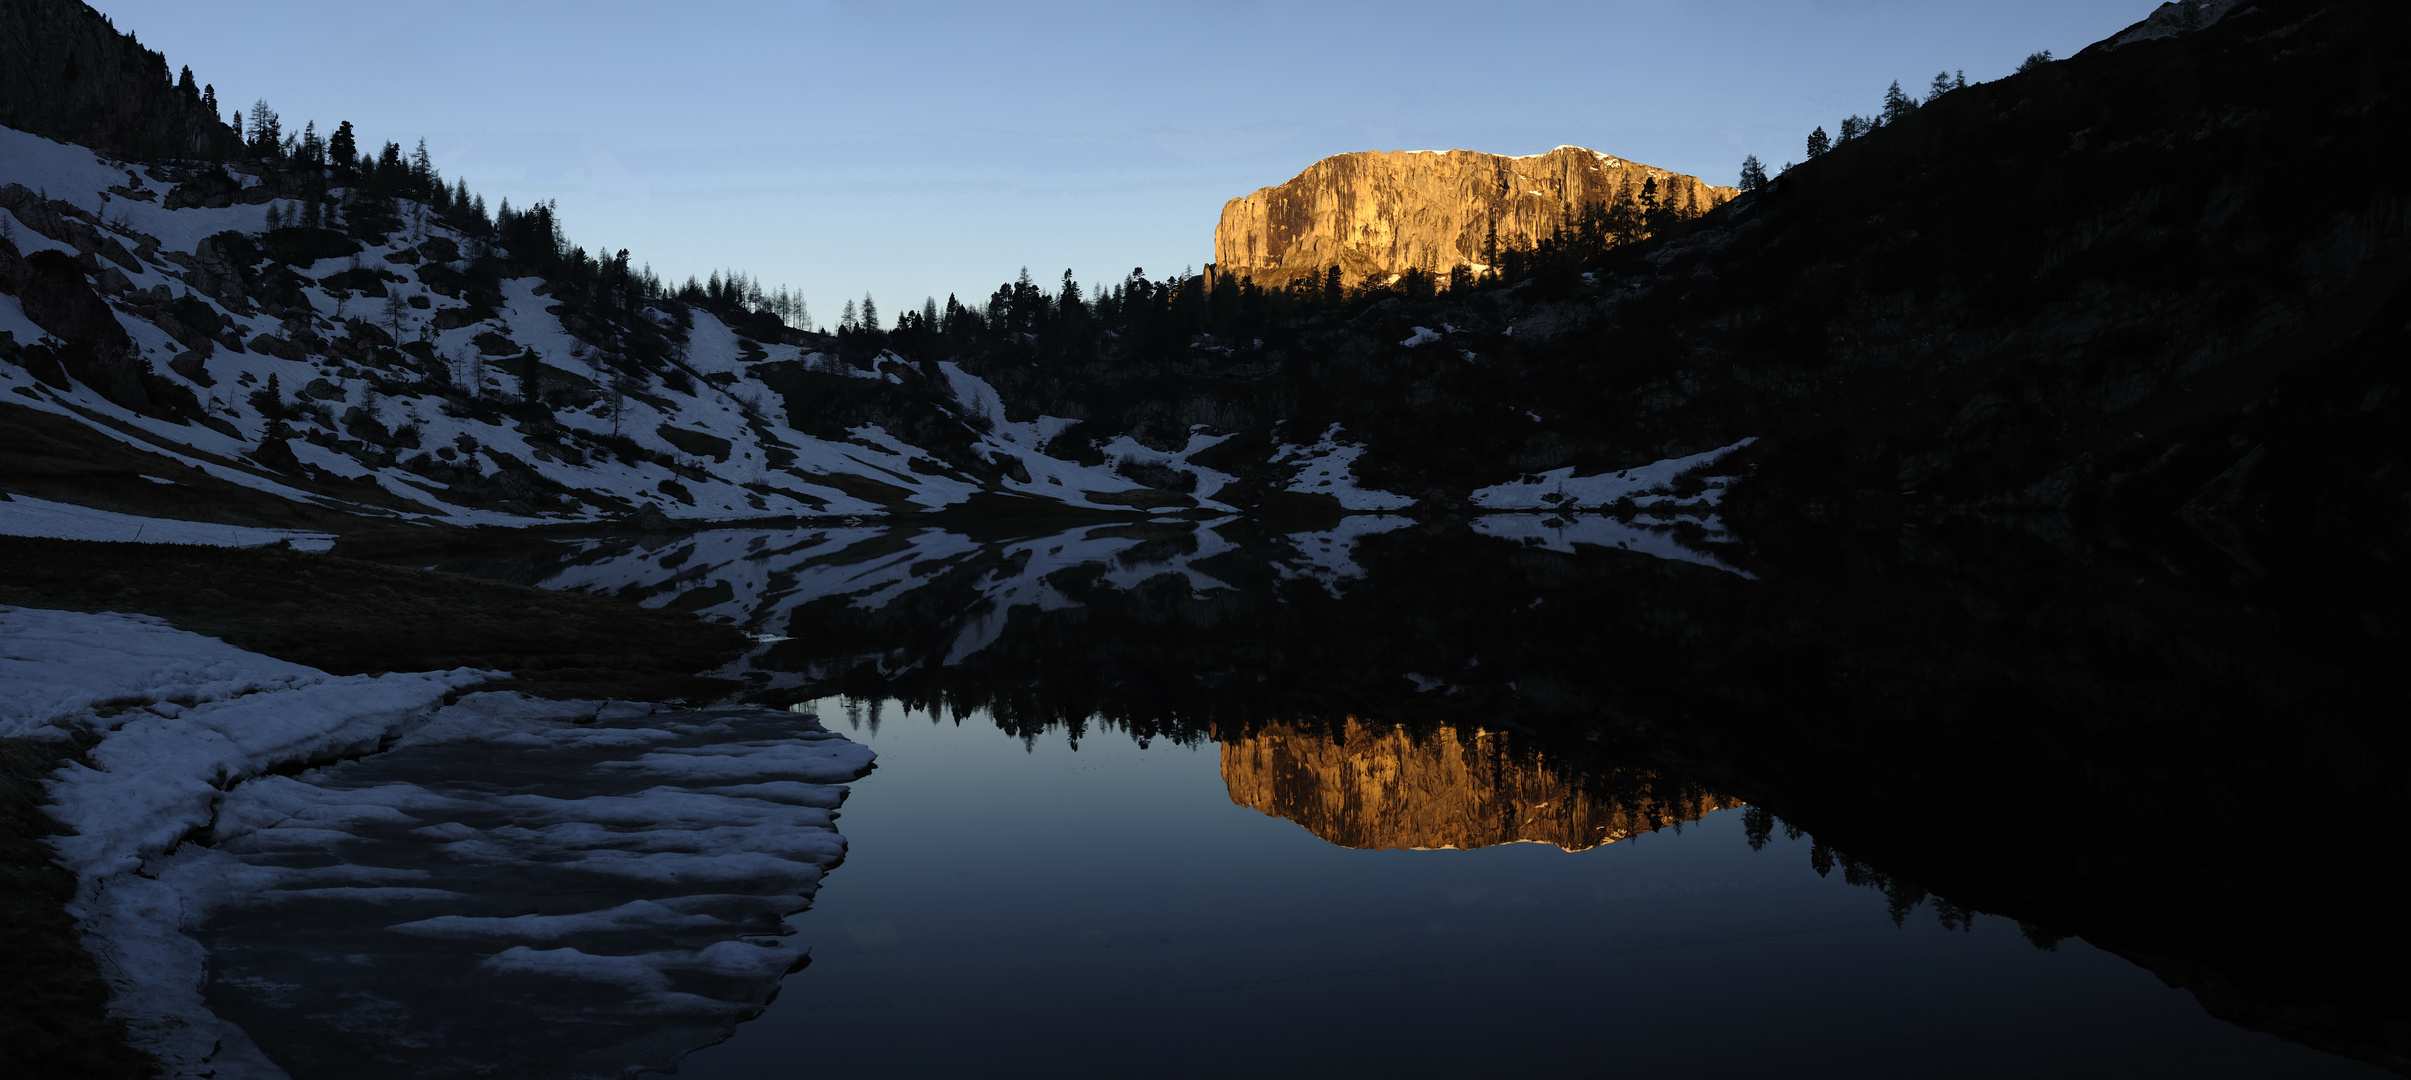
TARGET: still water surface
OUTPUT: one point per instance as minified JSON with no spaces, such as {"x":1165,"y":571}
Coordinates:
{"x":1172,"y":799}
{"x":1109,"y":911}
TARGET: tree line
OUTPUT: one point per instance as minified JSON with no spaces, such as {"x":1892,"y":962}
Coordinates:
{"x":1897,"y":106}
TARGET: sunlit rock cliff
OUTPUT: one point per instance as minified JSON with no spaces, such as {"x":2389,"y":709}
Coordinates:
{"x":1376,"y":214}
{"x":1369,"y":786}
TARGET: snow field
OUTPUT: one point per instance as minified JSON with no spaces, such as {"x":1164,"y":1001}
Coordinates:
{"x":24,"y":515}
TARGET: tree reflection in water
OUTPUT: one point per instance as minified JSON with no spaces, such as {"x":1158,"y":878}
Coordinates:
{"x":2098,"y":738}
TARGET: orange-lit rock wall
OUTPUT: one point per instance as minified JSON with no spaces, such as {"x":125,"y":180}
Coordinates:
{"x":1374,"y":214}
{"x":1375,"y":787}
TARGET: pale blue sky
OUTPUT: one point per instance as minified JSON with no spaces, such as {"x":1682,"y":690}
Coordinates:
{"x":917,"y":149}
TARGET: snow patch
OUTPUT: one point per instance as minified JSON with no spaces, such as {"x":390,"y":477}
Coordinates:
{"x":1645,"y":485}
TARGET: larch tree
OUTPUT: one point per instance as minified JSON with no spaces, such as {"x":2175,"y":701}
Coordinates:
{"x":1897,"y":104}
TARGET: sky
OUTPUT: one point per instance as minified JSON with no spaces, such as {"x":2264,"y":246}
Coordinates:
{"x":911,"y":150}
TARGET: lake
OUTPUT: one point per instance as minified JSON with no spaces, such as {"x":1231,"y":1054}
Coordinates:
{"x":1182,"y":798}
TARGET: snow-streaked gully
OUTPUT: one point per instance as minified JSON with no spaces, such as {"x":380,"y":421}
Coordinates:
{"x":1347,"y":786}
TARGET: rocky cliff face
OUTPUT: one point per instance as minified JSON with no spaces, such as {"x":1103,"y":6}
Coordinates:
{"x":67,"y":74}
{"x":1377,"y":214}
{"x":1378,"y":787}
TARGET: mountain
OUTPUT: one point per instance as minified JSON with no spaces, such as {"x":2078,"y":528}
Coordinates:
{"x":67,"y":74}
{"x":2100,"y":294}
{"x":1375,"y":215}
{"x":1364,"y":786}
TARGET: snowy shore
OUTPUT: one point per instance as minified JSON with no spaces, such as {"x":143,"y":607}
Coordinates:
{"x":281,"y":870}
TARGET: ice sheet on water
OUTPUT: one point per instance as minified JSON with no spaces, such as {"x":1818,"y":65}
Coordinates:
{"x":543,"y":888}
{"x":461,"y":883}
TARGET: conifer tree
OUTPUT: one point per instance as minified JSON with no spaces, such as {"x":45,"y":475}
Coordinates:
{"x":1897,"y":104}
{"x":267,"y":130}
{"x":1818,"y":143}
{"x":2035,"y":60}
{"x":422,"y":171}
{"x":846,"y":318}
{"x":344,"y":149}
{"x":1335,"y":289}
{"x":1940,"y":86}
{"x":1853,"y":127}
{"x":530,"y":378}
{"x":276,"y":219}
{"x":870,"y":310}
{"x":1753,"y":175}
{"x":209,"y":100}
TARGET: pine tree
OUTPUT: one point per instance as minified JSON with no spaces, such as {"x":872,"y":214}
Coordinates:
{"x":276,"y":219}
{"x":209,"y":100}
{"x":1940,"y":86}
{"x":2035,"y":60}
{"x":267,"y":130}
{"x":846,"y":319}
{"x":1897,"y":104}
{"x":1335,"y":289}
{"x":1818,"y":143}
{"x":184,"y":85}
{"x":1753,"y":175}
{"x":530,"y":378}
{"x":870,"y":310}
{"x":343,"y":148}
{"x":423,"y":177}
{"x":1960,"y":82}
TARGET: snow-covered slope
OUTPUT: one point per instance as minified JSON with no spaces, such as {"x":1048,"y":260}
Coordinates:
{"x":397,"y":387}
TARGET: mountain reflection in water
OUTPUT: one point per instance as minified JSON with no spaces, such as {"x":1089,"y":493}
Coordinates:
{"x":2087,"y":735}
{"x":1362,"y":786}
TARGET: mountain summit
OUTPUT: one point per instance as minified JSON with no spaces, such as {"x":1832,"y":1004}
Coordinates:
{"x":1376,"y":215}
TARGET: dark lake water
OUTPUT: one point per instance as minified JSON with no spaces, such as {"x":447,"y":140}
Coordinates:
{"x":1388,"y":798}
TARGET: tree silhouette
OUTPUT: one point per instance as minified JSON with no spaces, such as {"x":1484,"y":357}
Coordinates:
{"x":1753,"y":175}
{"x":1818,"y":143}
{"x":1897,"y":104}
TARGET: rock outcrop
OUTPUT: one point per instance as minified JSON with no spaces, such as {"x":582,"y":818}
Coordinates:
{"x":67,"y":74}
{"x":1376,"y":214}
{"x":1367,"y":786}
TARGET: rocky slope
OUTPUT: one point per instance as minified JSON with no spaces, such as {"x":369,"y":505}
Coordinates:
{"x":1377,"y":214}
{"x":1368,"y":786}
{"x":65,"y":73}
